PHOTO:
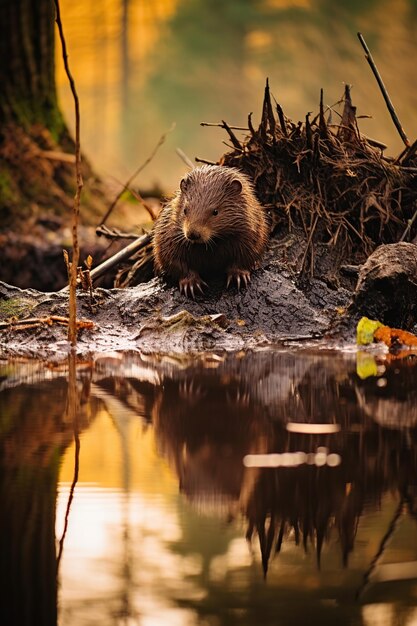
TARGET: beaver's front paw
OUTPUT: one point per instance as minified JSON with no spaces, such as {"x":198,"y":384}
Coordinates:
{"x":190,"y":284}
{"x":240,"y":277}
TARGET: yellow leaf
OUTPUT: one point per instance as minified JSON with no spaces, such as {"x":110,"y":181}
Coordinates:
{"x":365,"y":331}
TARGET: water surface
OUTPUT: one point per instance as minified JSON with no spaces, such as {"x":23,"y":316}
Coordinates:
{"x":151,"y":503}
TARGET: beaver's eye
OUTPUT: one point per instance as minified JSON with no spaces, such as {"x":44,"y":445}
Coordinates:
{"x":185,"y":211}
{"x":215,"y":212}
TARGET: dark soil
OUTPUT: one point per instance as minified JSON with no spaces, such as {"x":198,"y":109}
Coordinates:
{"x":153,"y":317}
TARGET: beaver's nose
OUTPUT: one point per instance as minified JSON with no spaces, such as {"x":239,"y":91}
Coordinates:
{"x":193,"y":235}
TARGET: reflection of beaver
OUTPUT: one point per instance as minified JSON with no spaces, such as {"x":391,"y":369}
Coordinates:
{"x":214,"y":225}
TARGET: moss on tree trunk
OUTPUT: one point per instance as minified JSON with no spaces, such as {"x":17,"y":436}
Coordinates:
{"x":27,"y":72}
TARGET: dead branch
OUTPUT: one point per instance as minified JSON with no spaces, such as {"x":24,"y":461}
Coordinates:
{"x":185,"y":158}
{"x":55,"y":155}
{"x":409,"y":226}
{"x":235,"y":141}
{"x":197,"y":160}
{"x":384,"y":92}
{"x":222,"y":125}
{"x":35,"y":322}
{"x":121,"y":256}
{"x":408,"y":153}
{"x":114,"y":233}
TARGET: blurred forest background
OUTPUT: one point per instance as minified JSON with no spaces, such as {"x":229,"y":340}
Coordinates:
{"x":141,"y":65}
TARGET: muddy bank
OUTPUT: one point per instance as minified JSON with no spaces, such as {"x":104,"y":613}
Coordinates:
{"x":153,"y":317}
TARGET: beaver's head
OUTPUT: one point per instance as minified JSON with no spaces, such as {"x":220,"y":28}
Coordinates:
{"x":210,"y":203}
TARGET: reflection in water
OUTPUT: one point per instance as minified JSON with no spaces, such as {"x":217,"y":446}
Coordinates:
{"x":36,"y":426}
{"x":332,"y":538}
{"x":71,"y":416}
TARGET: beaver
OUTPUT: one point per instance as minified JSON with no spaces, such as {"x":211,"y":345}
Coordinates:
{"x":214,"y":225}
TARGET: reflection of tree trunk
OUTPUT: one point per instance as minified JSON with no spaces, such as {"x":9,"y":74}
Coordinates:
{"x":124,"y":52}
{"x":27,"y":70}
{"x":28,"y":588}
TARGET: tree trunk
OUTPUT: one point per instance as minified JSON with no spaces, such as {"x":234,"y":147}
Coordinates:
{"x":27,"y":71}
{"x":37,"y":176}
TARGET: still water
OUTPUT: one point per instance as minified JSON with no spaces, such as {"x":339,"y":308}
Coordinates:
{"x":270,"y":487}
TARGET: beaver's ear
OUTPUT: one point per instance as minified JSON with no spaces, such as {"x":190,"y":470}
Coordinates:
{"x":184,"y":184}
{"x":236,"y":186}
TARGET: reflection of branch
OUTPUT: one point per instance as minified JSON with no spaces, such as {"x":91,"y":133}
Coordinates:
{"x":72,"y":414}
{"x":381,"y":549}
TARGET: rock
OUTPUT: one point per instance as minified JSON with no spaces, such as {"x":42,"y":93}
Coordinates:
{"x":387,"y":286}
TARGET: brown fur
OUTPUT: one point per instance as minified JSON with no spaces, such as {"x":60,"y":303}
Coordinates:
{"x":231,"y":242}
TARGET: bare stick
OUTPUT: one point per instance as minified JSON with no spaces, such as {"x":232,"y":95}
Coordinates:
{"x":410,"y":223}
{"x":281,"y":117}
{"x":197,"y":160}
{"x":382,"y":87}
{"x":218,"y":125}
{"x":408,"y":153}
{"x":118,"y":258}
{"x":322,"y":121}
{"x":137,"y":197}
{"x":135,"y":173}
{"x":235,"y":141}
{"x":185,"y":158}
{"x":114,"y":233}
{"x":72,"y":326}
{"x":146,"y":206}
{"x":251,"y":128}
{"x":55,"y":155}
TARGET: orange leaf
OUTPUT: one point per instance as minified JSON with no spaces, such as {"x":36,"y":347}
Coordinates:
{"x":395,"y":336}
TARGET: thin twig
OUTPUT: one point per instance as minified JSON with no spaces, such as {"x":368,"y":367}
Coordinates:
{"x":72,"y":414}
{"x":197,"y":160}
{"x":408,"y":153}
{"x":114,"y":233}
{"x":251,"y":128}
{"x":409,"y":225}
{"x":222,"y":125}
{"x":137,"y":197}
{"x":72,"y":326}
{"x":281,"y":118}
{"x":48,"y":321}
{"x":309,"y":240}
{"x":185,"y":158}
{"x":235,"y":141}
{"x":55,"y":155}
{"x":384,"y":92}
{"x":135,"y":173}
{"x":141,"y":201}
